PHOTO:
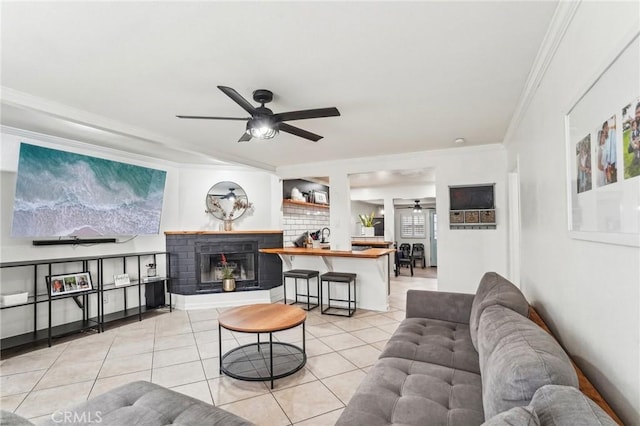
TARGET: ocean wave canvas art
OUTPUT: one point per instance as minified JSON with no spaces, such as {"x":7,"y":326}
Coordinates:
{"x":60,"y":193}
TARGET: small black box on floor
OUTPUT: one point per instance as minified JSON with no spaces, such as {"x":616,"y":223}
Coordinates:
{"x":154,"y":293}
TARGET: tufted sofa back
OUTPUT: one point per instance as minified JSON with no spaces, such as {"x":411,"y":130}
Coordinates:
{"x":495,"y":290}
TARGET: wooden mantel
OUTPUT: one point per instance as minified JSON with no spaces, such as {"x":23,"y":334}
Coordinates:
{"x":263,"y":231}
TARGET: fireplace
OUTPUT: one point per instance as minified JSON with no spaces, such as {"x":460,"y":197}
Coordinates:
{"x":196,"y":260}
{"x":241,"y":257}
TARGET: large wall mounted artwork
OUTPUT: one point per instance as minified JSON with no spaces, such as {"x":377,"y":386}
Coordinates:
{"x":603,"y":152}
{"x":61,"y":193}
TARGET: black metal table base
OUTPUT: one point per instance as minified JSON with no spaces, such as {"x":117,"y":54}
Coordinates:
{"x":263,"y":361}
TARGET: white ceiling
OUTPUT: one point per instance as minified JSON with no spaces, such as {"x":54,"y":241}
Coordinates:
{"x":406,"y":76}
{"x":392,"y":178}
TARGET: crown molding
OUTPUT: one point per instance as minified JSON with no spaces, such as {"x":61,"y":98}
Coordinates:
{"x":80,"y":117}
{"x":562,"y":17}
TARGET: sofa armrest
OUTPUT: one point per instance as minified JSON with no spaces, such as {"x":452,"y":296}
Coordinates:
{"x":455,"y":307}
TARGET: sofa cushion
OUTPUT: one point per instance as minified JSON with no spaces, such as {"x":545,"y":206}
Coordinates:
{"x":517,"y":416}
{"x":146,"y":404}
{"x":516,"y":358}
{"x":7,"y":418}
{"x":495,"y":290}
{"x":441,"y":305}
{"x":439,"y":342}
{"x":403,"y":392}
{"x":565,"y":406}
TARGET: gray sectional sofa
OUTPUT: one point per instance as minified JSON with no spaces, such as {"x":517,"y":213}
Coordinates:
{"x":464,"y":359}
{"x":137,"y":403}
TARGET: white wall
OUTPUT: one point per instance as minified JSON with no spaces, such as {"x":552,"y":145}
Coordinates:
{"x":183,"y":209}
{"x":263,"y":189}
{"x":463,"y":255}
{"x":589,"y":292}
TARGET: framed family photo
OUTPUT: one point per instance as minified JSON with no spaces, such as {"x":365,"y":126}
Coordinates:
{"x":69,"y":283}
{"x":602,"y":135}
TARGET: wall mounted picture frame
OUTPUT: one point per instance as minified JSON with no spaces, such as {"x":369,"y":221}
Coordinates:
{"x":607,"y":210}
{"x":69,"y":283}
{"x":320,"y":197}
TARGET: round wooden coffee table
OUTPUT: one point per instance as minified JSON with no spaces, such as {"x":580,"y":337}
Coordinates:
{"x":262,"y":361}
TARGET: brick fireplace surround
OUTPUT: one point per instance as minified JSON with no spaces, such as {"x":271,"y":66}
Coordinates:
{"x":193,"y":251}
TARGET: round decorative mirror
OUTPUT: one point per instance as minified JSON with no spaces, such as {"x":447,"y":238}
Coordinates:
{"x":227,"y":201}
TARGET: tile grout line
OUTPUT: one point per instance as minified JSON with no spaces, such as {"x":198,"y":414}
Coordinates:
{"x":319,"y":321}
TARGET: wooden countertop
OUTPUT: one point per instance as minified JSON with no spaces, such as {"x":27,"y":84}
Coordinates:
{"x":373,"y":243}
{"x":266,"y":231}
{"x":372,"y":253}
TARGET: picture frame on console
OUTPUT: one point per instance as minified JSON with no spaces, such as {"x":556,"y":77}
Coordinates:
{"x":78,"y":282}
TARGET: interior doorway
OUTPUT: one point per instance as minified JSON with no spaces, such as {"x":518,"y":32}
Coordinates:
{"x":433,"y":238}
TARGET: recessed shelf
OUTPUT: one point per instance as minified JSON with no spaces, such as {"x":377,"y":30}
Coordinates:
{"x":304,"y":203}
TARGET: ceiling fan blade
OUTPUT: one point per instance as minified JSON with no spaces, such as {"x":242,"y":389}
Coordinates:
{"x":246,"y":137}
{"x":307,"y":113}
{"x":198,"y":117}
{"x":284,"y":127}
{"x":237,"y":98}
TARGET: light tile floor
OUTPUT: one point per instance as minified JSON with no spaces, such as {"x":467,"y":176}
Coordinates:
{"x":179,"y":350}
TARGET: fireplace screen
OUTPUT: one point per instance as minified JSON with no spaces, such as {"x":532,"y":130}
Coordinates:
{"x":211,"y":266}
{"x":241,"y":258}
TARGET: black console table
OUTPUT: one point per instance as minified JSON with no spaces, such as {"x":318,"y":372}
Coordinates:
{"x":132,"y":263}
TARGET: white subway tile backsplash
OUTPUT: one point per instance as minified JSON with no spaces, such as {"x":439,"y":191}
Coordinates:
{"x":297,"y":220}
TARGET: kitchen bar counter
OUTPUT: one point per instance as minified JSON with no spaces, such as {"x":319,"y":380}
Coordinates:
{"x":372,"y":266}
{"x":372,"y":253}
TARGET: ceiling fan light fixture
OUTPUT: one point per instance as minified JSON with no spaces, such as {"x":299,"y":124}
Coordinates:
{"x":417,"y":208}
{"x":262,"y":128}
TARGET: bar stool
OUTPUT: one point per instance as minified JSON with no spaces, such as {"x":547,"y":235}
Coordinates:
{"x":303,"y":274}
{"x":342,"y":278}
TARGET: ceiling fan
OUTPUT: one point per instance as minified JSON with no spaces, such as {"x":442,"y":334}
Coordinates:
{"x":417,"y":208}
{"x":263,"y":123}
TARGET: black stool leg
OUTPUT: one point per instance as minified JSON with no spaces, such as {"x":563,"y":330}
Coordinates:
{"x":354,"y":298}
{"x":284,"y":285}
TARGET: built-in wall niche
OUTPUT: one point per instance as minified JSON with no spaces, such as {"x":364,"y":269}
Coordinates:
{"x":472,"y":207}
{"x":314,"y":191}
{"x":305,"y":208}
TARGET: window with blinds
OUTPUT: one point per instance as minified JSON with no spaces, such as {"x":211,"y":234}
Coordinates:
{"x":413,"y":225}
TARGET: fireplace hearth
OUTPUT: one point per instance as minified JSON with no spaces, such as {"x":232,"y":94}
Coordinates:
{"x":196,"y":260}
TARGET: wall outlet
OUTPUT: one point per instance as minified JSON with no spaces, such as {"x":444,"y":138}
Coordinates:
{"x":105,"y":299}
